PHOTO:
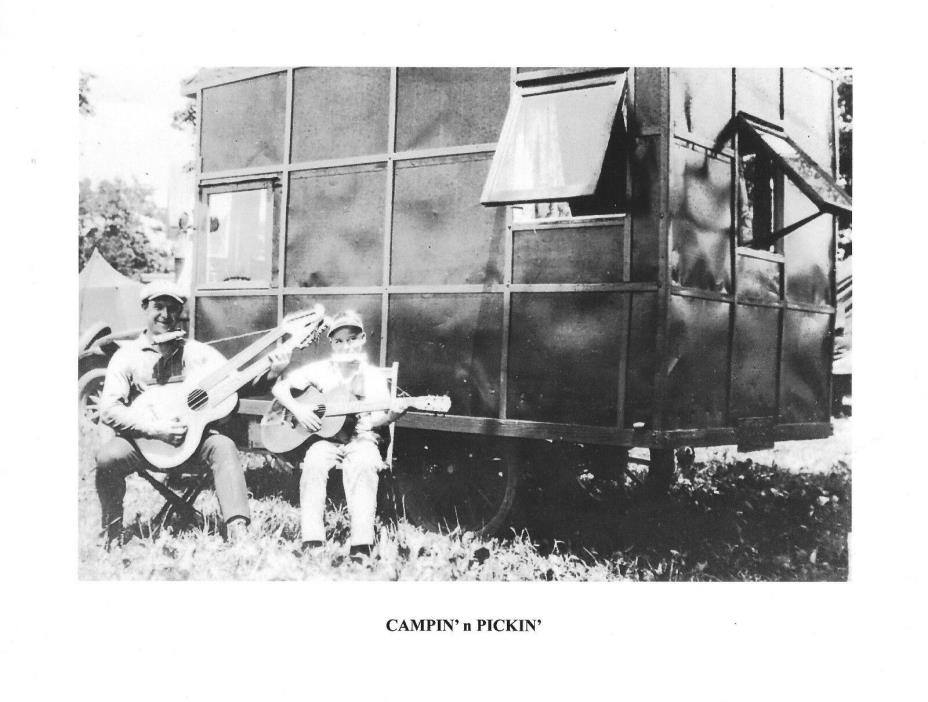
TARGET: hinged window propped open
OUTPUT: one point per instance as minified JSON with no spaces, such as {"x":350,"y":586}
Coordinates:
{"x":554,"y":139}
{"x":813,"y":180}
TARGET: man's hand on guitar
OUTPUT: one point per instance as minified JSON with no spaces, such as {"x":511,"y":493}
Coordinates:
{"x":398,"y":408}
{"x":170,"y":431}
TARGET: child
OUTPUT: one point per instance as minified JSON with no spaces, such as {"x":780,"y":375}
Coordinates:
{"x":356,"y":451}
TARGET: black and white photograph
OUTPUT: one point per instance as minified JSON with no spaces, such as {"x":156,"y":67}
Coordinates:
{"x":465,"y":323}
{"x":470,"y":352}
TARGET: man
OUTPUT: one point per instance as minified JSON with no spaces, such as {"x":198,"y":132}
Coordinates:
{"x":161,"y":355}
{"x":356,"y":452}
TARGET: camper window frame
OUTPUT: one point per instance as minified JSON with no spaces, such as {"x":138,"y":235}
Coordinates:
{"x":266,"y":183}
{"x":547,"y":83}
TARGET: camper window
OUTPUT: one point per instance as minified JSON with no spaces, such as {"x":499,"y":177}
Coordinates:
{"x":768,"y":156}
{"x":563,"y":143}
{"x":760,"y":196}
{"x":237,"y":238}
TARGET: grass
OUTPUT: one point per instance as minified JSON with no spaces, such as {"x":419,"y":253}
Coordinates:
{"x":777,"y":515}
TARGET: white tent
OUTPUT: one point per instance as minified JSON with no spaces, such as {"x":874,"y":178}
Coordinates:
{"x":107,"y":296}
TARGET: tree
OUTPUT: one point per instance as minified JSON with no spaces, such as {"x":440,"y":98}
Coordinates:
{"x":110,"y":219}
{"x":185,"y":119}
{"x":83,"y":94}
{"x":845,"y":125}
{"x":845,"y":148}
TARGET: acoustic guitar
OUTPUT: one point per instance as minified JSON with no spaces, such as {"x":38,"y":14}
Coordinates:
{"x":206,"y":397}
{"x":282,"y":432}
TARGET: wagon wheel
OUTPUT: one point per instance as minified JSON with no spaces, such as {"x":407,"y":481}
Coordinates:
{"x":89,"y":387}
{"x":442,"y":482}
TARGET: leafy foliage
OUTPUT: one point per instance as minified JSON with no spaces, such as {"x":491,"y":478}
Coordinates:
{"x":845,"y":135}
{"x":845,"y":124}
{"x":109,"y":219}
{"x":186,"y":118}
{"x":83,"y":94}
{"x":737,"y":520}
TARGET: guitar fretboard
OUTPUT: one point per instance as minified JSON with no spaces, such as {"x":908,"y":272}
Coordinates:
{"x":229,"y":379}
{"x":338,"y":409}
{"x":249,"y":352}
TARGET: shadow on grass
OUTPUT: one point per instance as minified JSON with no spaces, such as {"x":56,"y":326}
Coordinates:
{"x":727,"y":521}
{"x":270,"y":476}
{"x":720,"y":521}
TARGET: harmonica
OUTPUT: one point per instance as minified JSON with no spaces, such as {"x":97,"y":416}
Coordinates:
{"x":168,"y":336}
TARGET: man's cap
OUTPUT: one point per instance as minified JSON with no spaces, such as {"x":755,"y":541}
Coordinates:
{"x":162,"y":288}
{"x":346,"y":319}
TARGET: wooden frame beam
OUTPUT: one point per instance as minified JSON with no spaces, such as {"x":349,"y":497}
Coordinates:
{"x":524,"y":429}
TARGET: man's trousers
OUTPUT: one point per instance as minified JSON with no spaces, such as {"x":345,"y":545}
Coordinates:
{"x":118,"y":458}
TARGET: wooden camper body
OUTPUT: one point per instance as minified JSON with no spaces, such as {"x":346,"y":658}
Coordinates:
{"x":651,"y":326}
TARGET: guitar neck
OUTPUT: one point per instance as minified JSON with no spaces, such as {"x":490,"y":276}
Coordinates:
{"x":339,"y":409}
{"x":239,"y":379}
{"x":228,"y":369}
{"x":228,"y":379}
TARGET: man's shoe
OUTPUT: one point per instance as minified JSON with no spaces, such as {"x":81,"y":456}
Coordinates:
{"x":360,"y":552}
{"x":114,"y":535}
{"x":309,"y":549}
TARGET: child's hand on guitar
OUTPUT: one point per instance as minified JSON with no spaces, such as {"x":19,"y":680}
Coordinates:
{"x":170,"y":431}
{"x":310,"y":420}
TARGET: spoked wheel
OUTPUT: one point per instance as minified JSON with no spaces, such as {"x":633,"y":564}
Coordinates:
{"x":443,"y":481}
{"x":89,"y":388}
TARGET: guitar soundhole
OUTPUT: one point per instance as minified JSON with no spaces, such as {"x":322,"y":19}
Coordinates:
{"x":197,"y":399}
